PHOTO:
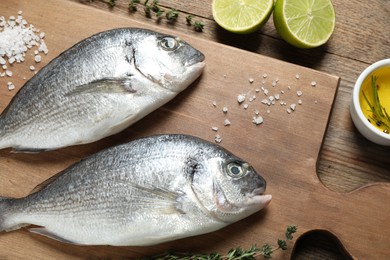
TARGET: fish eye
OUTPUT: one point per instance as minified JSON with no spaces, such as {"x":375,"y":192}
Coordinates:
{"x":169,"y":43}
{"x":236,"y":170}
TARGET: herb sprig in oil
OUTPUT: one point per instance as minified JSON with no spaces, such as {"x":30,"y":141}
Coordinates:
{"x":379,"y":114}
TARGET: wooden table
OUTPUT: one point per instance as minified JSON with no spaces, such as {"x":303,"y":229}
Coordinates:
{"x":347,"y":161}
{"x":362,"y":36}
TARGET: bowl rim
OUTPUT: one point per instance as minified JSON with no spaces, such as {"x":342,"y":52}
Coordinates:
{"x":356,"y":93}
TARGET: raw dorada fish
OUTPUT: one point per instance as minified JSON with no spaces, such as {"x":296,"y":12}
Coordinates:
{"x":145,"y":192}
{"x":97,"y":88}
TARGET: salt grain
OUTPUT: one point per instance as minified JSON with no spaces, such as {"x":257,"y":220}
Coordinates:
{"x":313,"y":83}
{"x":11,"y":60}
{"x":10,"y":86}
{"x":225,"y":110}
{"x":299,"y":93}
{"x":37,"y":58}
{"x":257,"y":120}
{"x":214,"y":128}
{"x":293,"y":107}
{"x":240,"y":98}
{"x":218,"y":139}
{"x":226,"y":122}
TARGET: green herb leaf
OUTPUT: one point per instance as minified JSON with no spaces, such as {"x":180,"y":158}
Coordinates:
{"x":133,"y":5}
{"x":282,"y":244}
{"x":111,"y":3}
{"x":198,"y":26}
{"x":173,"y":14}
{"x":289,"y":231}
{"x":189,"y":19}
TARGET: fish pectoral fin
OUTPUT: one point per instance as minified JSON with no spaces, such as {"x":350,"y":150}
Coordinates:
{"x":105,"y":85}
{"x":160,"y":200}
{"x":44,"y":232}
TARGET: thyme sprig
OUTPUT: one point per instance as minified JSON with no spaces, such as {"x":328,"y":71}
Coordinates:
{"x":379,"y":114}
{"x":171,"y":15}
{"x":238,"y":253}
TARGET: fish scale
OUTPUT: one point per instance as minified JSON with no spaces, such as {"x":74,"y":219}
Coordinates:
{"x":144,"y":192}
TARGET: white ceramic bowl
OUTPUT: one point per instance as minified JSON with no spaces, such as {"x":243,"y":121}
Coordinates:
{"x":362,"y":124}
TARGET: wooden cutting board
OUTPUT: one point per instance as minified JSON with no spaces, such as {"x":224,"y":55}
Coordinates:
{"x":284,"y":149}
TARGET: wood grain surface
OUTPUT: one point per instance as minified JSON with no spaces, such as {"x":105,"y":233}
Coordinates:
{"x":288,"y":149}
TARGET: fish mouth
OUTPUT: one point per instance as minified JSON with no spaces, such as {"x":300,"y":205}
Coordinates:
{"x":197,"y":59}
{"x":258,"y":197}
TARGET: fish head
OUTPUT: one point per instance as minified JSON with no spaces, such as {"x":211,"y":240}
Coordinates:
{"x":233,"y":190}
{"x":168,"y":61}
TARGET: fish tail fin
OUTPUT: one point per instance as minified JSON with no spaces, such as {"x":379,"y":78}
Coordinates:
{"x":6,"y":224}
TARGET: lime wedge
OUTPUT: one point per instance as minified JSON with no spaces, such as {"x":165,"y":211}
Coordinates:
{"x":242,"y":16}
{"x":304,"y":23}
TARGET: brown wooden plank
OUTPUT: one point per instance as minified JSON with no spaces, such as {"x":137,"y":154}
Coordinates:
{"x":284,"y":149}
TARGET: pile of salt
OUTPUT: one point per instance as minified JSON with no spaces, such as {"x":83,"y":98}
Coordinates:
{"x":17,"y":36}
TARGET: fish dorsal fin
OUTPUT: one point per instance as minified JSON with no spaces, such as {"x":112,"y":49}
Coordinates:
{"x":45,"y":183}
{"x":106,"y":85}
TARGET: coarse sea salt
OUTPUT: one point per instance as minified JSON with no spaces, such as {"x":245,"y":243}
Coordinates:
{"x":17,"y":36}
{"x":257,"y":120}
{"x":10,"y":86}
{"x":240,"y":98}
{"x":265,"y":97}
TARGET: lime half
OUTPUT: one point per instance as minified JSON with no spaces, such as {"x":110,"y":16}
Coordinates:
{"x":242,"y":16}
{"x":304,"y":23}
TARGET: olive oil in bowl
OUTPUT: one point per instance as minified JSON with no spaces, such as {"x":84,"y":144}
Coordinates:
{"x":374,"y":99}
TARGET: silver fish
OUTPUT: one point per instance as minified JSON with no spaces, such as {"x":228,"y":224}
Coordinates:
{"x":97,"y":88}
{"x":145,"y":192}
